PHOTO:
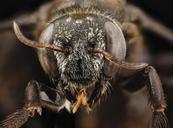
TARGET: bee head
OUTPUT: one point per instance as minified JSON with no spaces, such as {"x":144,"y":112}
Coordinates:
{"x":79,"y":66}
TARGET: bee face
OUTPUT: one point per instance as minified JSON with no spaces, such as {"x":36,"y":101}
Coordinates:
{"x":79,"y":66}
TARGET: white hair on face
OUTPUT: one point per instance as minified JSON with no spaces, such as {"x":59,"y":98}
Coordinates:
{"x":68,"y":19}
{"x":79,"y":35}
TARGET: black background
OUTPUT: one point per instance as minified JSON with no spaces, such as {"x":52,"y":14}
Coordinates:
{"x":161,"y":10}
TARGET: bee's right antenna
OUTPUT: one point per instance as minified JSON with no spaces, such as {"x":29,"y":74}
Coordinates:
{"x":36,"y":44}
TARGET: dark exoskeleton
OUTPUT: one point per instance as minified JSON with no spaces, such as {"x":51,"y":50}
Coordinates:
{"x":84,"y":46}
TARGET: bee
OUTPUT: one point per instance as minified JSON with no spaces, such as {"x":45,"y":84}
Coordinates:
{"x":86,"y":47}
